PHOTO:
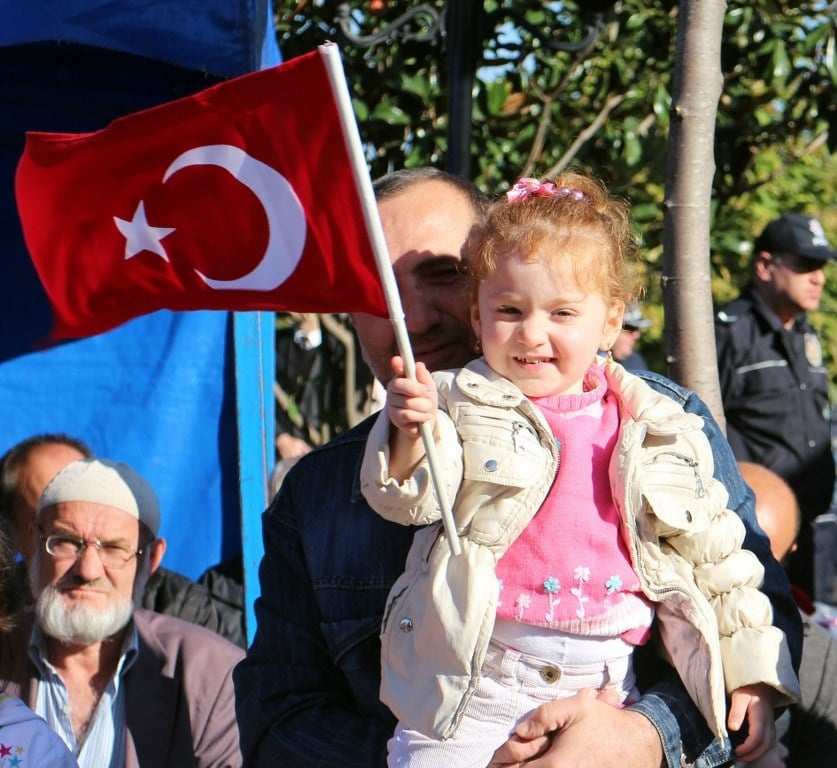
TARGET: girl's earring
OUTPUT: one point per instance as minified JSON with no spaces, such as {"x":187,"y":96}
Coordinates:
{"x":478,"y":347}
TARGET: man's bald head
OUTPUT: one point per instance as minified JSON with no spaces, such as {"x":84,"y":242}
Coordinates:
{"x":24,"y":472}
{"x":777,"y":510}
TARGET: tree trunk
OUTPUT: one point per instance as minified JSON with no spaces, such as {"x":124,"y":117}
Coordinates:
{"x":687,"y":296}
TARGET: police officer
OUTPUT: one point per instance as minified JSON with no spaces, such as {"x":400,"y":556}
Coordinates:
{"x":773,"y":382}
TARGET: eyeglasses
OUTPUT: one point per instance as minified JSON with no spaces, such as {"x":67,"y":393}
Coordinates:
{"x":112,"y":555}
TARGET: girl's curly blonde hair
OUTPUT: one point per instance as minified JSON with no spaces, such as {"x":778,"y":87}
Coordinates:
{"x":557,"y":222}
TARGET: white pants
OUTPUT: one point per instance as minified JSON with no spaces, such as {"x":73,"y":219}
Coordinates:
{"x":510,"y":687}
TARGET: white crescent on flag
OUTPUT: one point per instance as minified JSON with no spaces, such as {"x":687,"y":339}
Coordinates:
{"x":284,"y":212}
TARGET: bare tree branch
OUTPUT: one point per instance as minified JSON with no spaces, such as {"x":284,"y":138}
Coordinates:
{"x":588,"y":133}
{"x":547,"y":100}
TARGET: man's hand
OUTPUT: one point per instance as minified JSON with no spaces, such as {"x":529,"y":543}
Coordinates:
{"x":585,"y":730}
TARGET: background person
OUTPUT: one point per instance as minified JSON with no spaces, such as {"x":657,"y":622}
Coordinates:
{"x":624,"y":348}
{"x":808,"y":729}
{"x":529,"y":436}
{"x":110,"y":678}
{"x":25,"y":470}
{"x":322,"y":386}
{"x":774,"y":385}
{"x":330,"y":561}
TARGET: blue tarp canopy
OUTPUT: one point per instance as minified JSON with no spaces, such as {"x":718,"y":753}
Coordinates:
{"x":217,"y":37}
{"x":179,"y":396}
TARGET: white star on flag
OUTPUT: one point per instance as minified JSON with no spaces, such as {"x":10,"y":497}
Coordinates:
{"x":141,"y":236}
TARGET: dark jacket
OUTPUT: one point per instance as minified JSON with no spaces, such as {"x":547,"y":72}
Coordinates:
{"x":173,"y":594}
{"x":775,"y":394}
{"x":774,"y":388}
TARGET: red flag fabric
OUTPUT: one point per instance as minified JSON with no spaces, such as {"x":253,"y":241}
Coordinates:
{"x":240,"y":197}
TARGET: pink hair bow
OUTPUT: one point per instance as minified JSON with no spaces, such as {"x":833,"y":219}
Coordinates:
{"x":528,"y":187}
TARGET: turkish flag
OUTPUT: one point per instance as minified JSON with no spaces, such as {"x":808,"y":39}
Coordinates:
{"x":241,"y":197}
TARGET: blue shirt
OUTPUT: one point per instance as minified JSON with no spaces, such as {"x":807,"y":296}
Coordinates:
{"x":105,"y":734}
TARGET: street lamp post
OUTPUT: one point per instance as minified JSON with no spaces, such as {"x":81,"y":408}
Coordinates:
{"x":463,"y":38}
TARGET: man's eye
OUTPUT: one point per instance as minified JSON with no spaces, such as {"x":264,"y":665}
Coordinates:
{"x":63,"y":545}
{"x":113,"y":548}
{"x":60,"y":541}
{"x":444,"y":275}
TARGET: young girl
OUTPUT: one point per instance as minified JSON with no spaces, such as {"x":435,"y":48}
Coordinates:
{"x":585,"y":506}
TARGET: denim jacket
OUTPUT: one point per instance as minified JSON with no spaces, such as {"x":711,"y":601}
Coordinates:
{"x":307,"y":692}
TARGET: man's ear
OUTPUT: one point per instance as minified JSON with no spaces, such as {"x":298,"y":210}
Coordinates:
{"x":158,"y":549}
{"x":761,"y":266}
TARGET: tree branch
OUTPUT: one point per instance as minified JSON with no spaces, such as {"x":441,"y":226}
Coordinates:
{"x":585,"y":136}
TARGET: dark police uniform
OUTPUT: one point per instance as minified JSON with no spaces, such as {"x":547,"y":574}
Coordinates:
{"x":775,"y":393}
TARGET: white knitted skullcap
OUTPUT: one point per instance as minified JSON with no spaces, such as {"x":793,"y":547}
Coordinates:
{"x":110,"y":483}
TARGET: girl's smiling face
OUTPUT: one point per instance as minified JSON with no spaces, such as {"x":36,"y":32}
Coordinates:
{"x":538,"y":330}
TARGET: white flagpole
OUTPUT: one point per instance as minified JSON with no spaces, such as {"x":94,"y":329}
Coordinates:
{"x":334,"y":67}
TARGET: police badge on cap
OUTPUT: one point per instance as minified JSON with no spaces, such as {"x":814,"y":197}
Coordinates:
{"x":797,"y":234}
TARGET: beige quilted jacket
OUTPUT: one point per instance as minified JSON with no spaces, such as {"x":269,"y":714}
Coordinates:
{"x":498,"y":460}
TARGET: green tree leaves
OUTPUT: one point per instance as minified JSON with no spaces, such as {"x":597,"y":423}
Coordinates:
{"x":607,"y":108}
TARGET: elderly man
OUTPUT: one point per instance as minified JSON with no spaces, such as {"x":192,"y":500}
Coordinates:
{"x":122,"y":686}
{"x":29,"y":465}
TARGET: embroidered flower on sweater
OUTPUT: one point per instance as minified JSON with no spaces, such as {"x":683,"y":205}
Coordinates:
{"x":582,"y":575}
{"x":552,"y":587}
{"x":613,"y":584}
{"x":523,"y":602}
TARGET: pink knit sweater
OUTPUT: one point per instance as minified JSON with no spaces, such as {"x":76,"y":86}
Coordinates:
{"x":570,"y":569}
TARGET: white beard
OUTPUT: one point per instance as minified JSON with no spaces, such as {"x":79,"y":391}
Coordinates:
{"x":81,"y":624}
